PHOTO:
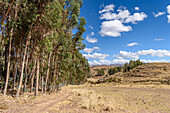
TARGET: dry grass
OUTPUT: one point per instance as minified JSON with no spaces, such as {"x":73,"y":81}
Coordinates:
{"x":151,"y":73}
{"x":93,"y":101}
{"x":133,"y":98}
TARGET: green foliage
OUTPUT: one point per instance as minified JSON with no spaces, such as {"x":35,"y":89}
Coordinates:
{"x":49,"y":24}
{"x":132,"y":64}
{"x":100,"y":72}
{"x":114,"y":70}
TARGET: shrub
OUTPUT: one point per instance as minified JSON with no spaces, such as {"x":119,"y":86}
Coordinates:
{"x":132,"y":64}
{"x":100,"y":72}
{"x":114,"y":70}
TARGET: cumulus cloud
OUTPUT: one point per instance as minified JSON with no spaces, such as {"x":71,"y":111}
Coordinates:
{"x":107,"y":62}
{"x":137,"y":8}
{"x":123,"y":61}
{"x":159,"y":39}
{"x":136,"y":17}
{"x":113,"y":28}
{"x":108,"y":8}
{"x":132,"y":44}
{"x":114,"y":22}
{"x":121,"y":15}
{"x":91,"y":40}
{"x":152,"y":61}
{"x":168,"y":10}
{"x":90,"y":50}
{"x":158,"y":14}
{"x":91,"y":27}
{"x":124,"y":16}
{"x":96,"y":56}
{"x":124,"y":54}
{"x":150,"y":52}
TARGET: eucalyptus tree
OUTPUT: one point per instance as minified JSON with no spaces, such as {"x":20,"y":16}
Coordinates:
{"x":44,"y":50}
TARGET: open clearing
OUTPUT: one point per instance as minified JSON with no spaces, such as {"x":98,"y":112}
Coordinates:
{"x":94,"y":98}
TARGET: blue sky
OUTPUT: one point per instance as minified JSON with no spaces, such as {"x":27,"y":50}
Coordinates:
{"x":120,"y":30}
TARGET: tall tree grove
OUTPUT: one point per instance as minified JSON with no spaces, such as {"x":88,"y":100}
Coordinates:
{"x":38,"y":50}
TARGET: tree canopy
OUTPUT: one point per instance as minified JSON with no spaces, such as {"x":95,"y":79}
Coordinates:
{"x":38,"y":49}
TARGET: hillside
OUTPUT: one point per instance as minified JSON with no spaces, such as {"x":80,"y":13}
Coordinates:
{"x":151,"y":73}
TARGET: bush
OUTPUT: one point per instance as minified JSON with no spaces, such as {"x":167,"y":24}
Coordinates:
{"x":114,"y":70}
{"x":132,"y":64}
{"x":100,"y":72}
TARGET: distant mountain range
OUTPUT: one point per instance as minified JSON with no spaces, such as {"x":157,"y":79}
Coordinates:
{"x":108,"y":65}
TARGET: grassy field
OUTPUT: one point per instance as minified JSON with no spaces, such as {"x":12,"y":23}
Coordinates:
{"x":90,"y":98}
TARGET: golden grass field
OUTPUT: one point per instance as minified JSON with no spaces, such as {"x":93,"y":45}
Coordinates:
{"x":90,"y":98}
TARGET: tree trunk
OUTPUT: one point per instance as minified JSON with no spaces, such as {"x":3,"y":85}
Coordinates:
{"x":15,"y":72}
{"x":55,"y":70}
{"x":48,"y":71}
{"x":42,"y":78}
{"x":37,"y":76}
{"x":26,"y":68}
{"x":23,"y":63}
{"x":8,"y":65}
{"x":32,"y":78}
{"x":1,"y":48}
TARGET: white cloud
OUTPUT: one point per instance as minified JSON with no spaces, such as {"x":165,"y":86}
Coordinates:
{"x":90,"y":50}
{"x":113,"y":28}
{"x":110,"y":16}
{"x":168,"y":16}
{"x":121,"y":8}
{"x":107,"y":62}
{"x":152,"y":61}
{"x":150,"y":52}
{"x":158,"y":14}
{"x":136,"y":17}
{"x":92,"y":33}
{"x":107,"y":8}
{"x":91,"y":40}
{"x":123,"y":61}
{"x":160,"y":39}
{"x":132,"y":44}
{"x":124,"y":54}
{"x":96,"y":56}
{"x":124,"y":16}
{"x":168,"y":10}
{"x":91,"y":27}
{"x":137,"y":8}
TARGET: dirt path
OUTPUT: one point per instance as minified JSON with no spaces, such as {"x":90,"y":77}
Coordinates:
{"x":39,"y":104}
